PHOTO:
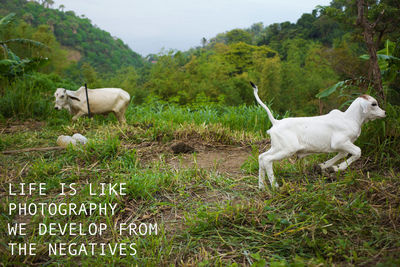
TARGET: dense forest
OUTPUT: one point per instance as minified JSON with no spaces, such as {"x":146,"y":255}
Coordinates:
{"x":291,"y":62}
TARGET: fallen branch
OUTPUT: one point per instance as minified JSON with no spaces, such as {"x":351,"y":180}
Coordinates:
{"x":32,"y":149}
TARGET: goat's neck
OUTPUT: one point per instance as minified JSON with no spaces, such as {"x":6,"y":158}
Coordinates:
{"x":73,"y":103}
{"x":355,"y":113}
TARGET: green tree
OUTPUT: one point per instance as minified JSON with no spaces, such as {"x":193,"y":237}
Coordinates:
{"x":376,"y":20}
{"x":268,"y":75}
{"x":89,"y":75}
{"x":57,"y":57}
{"x":28,"y":17}
{"x":238,"y":35}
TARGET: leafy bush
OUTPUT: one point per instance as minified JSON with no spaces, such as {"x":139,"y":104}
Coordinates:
{"x":380,"y":140}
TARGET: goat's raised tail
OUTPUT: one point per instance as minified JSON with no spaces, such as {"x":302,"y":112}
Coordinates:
{"x":271,"y":118}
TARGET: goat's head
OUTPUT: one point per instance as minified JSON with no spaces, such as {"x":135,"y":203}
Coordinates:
{"x":61,"y":99}
{"x":370,"y":108}
{"x":62,"y":96}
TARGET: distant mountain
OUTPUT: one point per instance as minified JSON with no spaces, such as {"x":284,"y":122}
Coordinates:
{"x":83,"y":41}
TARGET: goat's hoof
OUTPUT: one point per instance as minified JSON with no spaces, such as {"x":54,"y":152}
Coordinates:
{"x":317,"y":168}
{"x":275,"y":186}
{"x":333,"y":169}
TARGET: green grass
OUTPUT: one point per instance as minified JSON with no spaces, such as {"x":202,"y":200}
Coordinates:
{"x":205,"y":217}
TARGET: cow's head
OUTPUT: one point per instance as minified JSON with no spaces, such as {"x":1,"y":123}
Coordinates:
{"x":62,"y":98}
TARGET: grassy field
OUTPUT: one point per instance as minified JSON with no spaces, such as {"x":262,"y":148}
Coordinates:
{"x":206,"y":204}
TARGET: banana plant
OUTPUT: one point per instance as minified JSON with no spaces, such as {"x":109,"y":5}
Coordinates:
{"x":388,"y":60}
{"x":11,"y":65}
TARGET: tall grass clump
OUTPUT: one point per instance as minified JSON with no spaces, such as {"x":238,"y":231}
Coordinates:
{"x":30,"y":96}
{"x":242,"y":118}
{"x":95,"y":150}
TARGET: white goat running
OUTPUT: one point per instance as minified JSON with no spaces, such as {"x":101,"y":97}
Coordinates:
{"x":333,"y":132}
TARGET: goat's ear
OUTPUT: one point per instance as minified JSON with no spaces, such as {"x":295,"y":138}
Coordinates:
{"x":364,"y":106}
{"x":73,"y":97}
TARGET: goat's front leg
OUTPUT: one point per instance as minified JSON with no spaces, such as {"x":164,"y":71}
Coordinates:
{"x":355,"y":152}
{"x":329,"y":163}
{"x":78,"y":115}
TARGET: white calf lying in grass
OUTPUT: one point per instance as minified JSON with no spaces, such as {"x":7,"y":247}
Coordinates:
{"x":333,"y":132}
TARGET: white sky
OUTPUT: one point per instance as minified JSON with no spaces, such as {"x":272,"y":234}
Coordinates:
{"x":148,"y":26}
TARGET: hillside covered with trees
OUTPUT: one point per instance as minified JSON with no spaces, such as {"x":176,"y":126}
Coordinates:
{"x":83,"y":42}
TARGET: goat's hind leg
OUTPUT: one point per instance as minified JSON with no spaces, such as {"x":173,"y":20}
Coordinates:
{"x":266,"y":162}
{"x":119,"y":112}
{"x":121,"y":117}
{"x":262,"y":169}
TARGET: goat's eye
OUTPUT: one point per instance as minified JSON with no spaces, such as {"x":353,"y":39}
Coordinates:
{"x":63,"y":97}
{"x":374,"y":104}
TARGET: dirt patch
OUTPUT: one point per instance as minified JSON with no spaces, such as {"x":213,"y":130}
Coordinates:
{"x":18,"y":126}
{"x":182,"y":147}
{"x":73,"y":55}
{"x":225,"y":159}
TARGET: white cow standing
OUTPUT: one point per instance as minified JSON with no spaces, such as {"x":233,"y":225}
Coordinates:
{"x":101,"y":101}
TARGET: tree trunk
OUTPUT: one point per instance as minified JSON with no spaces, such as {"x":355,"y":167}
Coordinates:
{"x":374,"y":70}
{"x":369,"y":32}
